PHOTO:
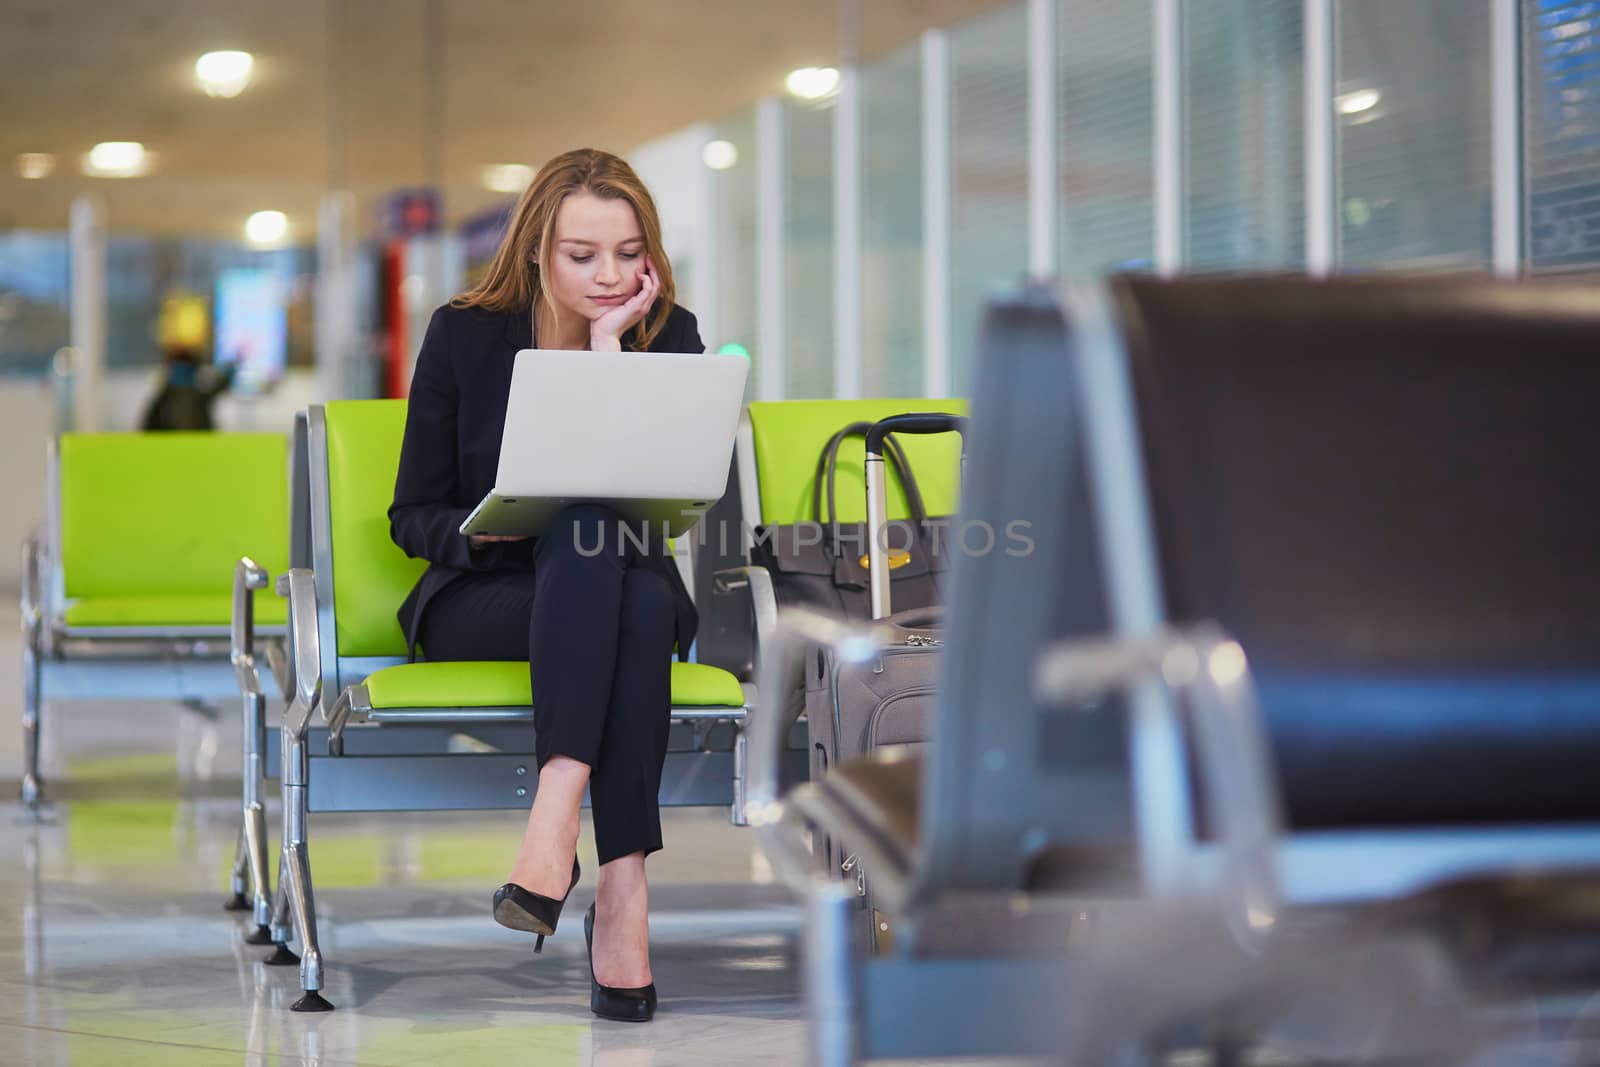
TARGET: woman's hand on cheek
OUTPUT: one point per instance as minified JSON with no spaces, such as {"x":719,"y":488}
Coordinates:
{"x":605,"y":332}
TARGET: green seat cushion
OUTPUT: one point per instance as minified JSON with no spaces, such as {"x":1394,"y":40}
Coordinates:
{"x":371,"y":575}
{"x":177,"y":610}
{"x":789,"y":435}
{"x":168,"y":514}
{"x":506,"y":684}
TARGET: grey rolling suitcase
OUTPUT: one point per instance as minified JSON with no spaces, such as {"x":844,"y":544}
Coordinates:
{"x":854,"y":709}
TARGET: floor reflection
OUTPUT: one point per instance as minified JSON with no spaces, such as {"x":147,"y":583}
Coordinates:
{"x":119,"y":951}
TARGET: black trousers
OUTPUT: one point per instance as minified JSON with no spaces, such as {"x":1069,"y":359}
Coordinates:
{"x":594,"y":619}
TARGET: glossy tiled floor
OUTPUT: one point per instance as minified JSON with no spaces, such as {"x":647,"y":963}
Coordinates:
{"x":114,"y":948}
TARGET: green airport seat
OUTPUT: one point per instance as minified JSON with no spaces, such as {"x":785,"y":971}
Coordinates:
{"x":362,"y":441}
{"x":366,"y":730}
{"x":771,"y":483}
{"x":148,"y":516}
{"x":127,"y":587}
{"x":785,"y":437}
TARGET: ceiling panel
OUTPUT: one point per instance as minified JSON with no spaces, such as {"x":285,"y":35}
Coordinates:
{"x":341,"y":92}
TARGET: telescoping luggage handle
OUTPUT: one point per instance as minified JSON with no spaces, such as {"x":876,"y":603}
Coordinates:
{"x":878,"y":490}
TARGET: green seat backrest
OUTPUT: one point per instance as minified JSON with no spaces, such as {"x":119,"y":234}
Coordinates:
{"x":147,"y":514}
{"x":789,"y":436}
{"x":371,"y":575}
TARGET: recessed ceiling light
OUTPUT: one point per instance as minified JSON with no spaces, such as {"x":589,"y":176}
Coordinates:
{"x":224,"y":74}
{"x":34,"y":165}
{"x":116,"y":159}
{"x":719,"y":155}
{"x":507,"y":177}
{"x":812,"y":83}
{"x":266,"y":227}
{"x":1356,"y":102}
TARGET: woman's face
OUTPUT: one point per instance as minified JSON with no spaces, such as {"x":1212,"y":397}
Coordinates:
{"x":598,"y":259}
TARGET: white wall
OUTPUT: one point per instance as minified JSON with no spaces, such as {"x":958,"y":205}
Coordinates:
{"x":679,"y":181}
{"x":25,"y":419}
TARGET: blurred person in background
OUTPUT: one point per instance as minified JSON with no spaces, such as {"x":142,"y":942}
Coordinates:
{"x":188,"y":386}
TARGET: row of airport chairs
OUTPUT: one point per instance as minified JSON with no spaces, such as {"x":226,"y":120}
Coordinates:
{"x":360,"y":728}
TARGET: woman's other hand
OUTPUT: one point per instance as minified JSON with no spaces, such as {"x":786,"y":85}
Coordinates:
{"x":605,"y":332}
{"x":479,"y":540}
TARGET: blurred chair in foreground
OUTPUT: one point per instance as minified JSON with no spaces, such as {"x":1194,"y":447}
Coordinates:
{"x":1283,"y":732}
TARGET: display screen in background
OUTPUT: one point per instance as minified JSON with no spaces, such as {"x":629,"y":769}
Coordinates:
{"x":252,"y":332}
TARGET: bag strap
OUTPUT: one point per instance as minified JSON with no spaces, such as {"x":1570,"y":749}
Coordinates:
{"x":826,"y":459}
{"x":908,"y":482}
{"x":827,"y":466}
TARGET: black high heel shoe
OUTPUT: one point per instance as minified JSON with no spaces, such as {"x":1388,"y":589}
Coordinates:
{"x":534,"y":913}
{"x":624,"y":1005}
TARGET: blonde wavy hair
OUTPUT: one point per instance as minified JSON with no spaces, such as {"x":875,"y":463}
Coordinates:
{"x":513,"y":280}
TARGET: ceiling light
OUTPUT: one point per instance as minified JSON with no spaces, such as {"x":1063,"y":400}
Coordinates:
{"x":266,"y":227}
{"x":116,"y":159}
{"x":507,"y":177}
{"x":224,"y":73}
{"x":34,"y":165}
{"x":812,"y":83}
{"x":1357,"y":102}
{"x":719,"y":155}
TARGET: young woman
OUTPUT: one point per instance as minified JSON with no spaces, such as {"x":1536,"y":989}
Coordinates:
{"x":581,"y":267}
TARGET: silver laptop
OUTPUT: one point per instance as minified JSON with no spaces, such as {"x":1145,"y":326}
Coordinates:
{"x":647,"y":434}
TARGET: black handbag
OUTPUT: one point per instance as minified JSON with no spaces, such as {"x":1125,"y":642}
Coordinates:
{"x":823,"y":564}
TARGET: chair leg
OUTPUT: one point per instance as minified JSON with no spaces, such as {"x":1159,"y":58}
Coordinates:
{"x":32,"y":704}
{"x":741,"y":760}
{"x":251,"y":861}
{"x":255,"y":843}
{"x":296,"y":875}
{"x":277,"y":932}
{"x":238,"y":898}
{"x":303,"y":906}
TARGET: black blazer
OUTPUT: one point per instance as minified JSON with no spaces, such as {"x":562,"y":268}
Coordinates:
{"x":451,"y":451}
